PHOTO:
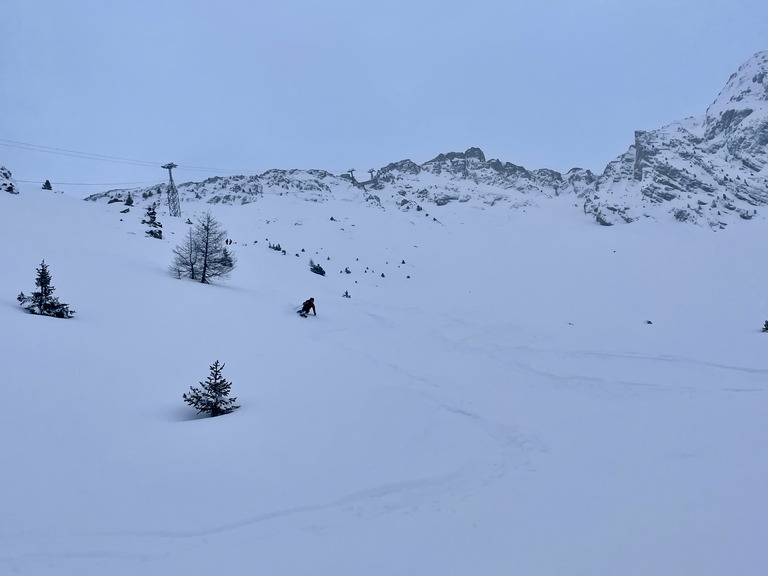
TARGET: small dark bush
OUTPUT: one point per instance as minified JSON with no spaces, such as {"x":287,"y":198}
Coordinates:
{"x":316,"y":268}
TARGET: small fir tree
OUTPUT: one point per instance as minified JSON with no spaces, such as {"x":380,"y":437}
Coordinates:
{"x":42,"y":301}
{"x":765,"y":326}
{"x":213,"y":397}
{"x":155,"y":227}
{"x":47,"y":185}
{"x":129,"y":200}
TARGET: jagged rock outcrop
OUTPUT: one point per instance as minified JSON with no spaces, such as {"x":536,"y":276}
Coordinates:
{"x":710,"y":170}
{"x":7,"y":183}
{"x":226,"y":190}
{"x":468,"y":177}
{"x":452,"y":177}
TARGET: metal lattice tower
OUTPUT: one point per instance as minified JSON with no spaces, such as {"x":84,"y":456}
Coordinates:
{"x":173,"y":194}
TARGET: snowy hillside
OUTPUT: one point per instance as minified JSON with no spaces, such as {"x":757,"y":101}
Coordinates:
{"x":505,"y":391}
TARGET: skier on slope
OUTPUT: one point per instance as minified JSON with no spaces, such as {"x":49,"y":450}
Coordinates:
{"x":307,"y":306}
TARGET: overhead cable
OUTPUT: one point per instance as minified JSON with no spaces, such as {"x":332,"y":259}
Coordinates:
{"x":115,"y":159}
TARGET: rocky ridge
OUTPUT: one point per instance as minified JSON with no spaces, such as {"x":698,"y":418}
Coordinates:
{"x":710,"y":170}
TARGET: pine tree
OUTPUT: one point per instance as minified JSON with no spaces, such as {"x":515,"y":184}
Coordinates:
{"x":42,"y":301}
{"x":155,"y":227}
{"x":203,"y":254}
{"x":213,"y":397}
{"x":129,"y":200}
{"x":47,"y":185}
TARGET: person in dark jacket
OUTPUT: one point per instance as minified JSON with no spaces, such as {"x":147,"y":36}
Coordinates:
{"x":307,"y":306}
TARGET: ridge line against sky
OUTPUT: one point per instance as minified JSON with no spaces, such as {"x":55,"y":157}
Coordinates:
{"x":338,"y":85}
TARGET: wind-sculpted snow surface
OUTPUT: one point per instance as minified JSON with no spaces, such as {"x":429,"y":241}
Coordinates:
{"x":504,"y":391}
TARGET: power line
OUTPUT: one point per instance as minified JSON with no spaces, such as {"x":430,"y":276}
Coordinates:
{"x":73,"y":153}
{"x":114,"y":159}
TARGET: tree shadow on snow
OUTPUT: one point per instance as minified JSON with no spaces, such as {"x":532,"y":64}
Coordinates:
{"x":185,"y":414}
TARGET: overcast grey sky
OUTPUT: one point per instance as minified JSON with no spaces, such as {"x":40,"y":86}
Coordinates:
{"x":246,"y":86}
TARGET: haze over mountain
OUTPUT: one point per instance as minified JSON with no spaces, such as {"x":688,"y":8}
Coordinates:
{"x":709,"y":170}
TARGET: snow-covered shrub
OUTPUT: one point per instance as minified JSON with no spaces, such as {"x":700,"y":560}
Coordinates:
{"x":155,"y":227}
{"x":316,"y":268}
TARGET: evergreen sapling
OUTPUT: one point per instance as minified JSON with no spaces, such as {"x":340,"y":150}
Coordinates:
{"x":213,"y":397}
{"x":42,"y":301}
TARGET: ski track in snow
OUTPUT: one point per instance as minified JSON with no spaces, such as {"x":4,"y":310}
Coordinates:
{"x":371,"y":502}
{"x":660,"y":358}
{"x":507,"y":357}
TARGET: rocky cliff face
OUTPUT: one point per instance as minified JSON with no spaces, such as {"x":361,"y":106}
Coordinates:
{"x":710,"y":170}
{"x":469,"y":177}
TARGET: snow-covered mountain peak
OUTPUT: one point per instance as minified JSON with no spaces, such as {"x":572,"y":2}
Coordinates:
{"x":708,"y":170}
{"x":746,"y":89}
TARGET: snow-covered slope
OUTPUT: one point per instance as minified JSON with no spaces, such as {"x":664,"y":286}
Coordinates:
{"x":505,"y":392}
